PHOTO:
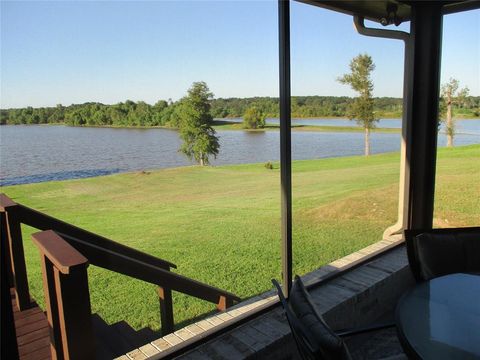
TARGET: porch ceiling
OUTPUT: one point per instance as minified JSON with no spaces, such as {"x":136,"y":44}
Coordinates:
{"x":377,"y":11}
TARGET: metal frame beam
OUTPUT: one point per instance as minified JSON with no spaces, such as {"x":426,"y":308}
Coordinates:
{"x":285,"y":142}
{"x":426,"y":31}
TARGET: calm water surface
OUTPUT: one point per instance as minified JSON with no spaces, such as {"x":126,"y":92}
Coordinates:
{"x":42,"y":153}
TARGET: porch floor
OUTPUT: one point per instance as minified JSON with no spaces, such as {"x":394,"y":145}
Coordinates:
{"x":31,"y":327}
{"x":112,"y":340}
{"x":379,"y":345}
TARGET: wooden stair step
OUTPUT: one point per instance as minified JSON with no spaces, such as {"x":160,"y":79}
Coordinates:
{"x":129,"y":335}
{"x":40,"y":354}
{"x":18,"y":315}
{"x":147,"y":335}
{"x":105,"y":346}
{"x":34,"y":326}
{"x":120,"y":338}
{"x":39,"y":333}
{"x":32,"y":331}
{"x":34,"y":317}
{"x":34,"y":346}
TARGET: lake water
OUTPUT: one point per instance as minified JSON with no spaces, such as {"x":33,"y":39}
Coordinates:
{"x":41,"y":153}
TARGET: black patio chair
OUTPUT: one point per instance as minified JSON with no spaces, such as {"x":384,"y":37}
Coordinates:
{"x":437,"y":252}
{"x":314,"y":338}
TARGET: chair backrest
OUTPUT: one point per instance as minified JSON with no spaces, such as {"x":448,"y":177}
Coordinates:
{"x":314,"y":338}
{"x":438,"y":252}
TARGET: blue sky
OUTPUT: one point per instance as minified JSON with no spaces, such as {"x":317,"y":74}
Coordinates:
{"x":72,"y":52}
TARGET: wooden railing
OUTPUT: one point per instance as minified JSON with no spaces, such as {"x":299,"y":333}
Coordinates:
{"x":101,"y":252}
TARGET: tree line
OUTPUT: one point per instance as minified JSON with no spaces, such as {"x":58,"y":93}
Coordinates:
{"x":163,"y":113}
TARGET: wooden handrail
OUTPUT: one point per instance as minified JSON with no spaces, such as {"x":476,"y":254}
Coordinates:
{"x":67,"y":297}
{"x":113,"y":256}
{"x":105,"y":253}
{"x":137,"y":269}
{"x":42,"y":221}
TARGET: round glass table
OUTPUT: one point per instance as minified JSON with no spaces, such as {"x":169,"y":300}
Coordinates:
{"x":440,"y":318}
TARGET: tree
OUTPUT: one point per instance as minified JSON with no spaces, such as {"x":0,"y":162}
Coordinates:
{"x":254,"y":118}
{"x":159,"y":106}
{"x":361,"y":109}
{"x":195,"y":124}
{"x":4,"y":117}
{"x":57,"y":115}
{"x":450,"y":95}
{"x":169,"y":116}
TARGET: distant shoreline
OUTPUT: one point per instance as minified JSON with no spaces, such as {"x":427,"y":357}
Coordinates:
{"x":222,"y":124}
{"x":226,"y":120}
{"x":227,"y":125}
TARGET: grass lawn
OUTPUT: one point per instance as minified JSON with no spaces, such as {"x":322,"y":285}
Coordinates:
{"x":221,"y":225}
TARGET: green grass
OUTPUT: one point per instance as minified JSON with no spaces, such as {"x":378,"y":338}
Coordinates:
{"x":228,"y":125}
{"x":221,"y":225}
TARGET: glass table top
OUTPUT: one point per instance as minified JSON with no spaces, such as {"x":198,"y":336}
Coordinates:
{"x":440,"y":319}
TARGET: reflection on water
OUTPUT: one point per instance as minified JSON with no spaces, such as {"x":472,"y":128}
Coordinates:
{"x":42,"y":153}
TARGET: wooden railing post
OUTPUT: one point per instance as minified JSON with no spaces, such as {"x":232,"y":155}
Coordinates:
{"x":17,"y":260}
{"x":8,"y":338}
{"x":166,"y":310}
{"x":13,"y":231}
{"x":6,"y":262}
{"x":51,"y":307}
{"x":67,"y":297}
{"x":224,"y":302}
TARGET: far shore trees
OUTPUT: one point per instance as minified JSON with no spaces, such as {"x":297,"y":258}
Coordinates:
{"x":127,"y":114}
{"x":362,"y":107}
{"x":450,"y":96}
{"x":195,"y":124}
{"x":254,"y":118}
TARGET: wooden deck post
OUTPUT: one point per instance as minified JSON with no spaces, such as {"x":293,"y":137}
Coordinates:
{"x":224,"y":303}
{"x":67,"y":297}
{"x":8,"y":340}
{"x":17,"y":259}
{"x":75,"y":313}
{"x":166,"y":310}
{"x":6,"y":262}
{"x":51,"y":308}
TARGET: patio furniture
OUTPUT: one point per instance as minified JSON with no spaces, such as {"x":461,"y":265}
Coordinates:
{"x":314,"y":338}
{"x":440,"y":318}
{"x":437,"y":252}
